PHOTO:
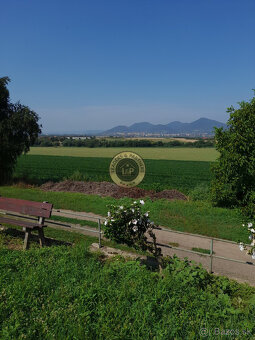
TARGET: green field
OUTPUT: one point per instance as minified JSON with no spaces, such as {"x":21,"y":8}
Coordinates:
{"x":160,"y":174}
{"x":178,"y":153}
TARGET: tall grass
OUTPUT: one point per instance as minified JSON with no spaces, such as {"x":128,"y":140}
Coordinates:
{"x":66,"y":293}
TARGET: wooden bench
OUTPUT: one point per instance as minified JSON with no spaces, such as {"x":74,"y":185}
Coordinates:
{"x":36,"y":209}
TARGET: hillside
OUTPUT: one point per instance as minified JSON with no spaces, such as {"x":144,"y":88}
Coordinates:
{"x":200,"y":127}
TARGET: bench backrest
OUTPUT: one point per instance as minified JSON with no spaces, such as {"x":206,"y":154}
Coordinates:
{"x":26,"y":207}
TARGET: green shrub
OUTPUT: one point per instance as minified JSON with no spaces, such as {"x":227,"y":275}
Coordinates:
{"x":128,"y":224}
{"x":234,"y":172}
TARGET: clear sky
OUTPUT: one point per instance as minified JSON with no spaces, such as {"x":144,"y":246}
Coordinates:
{"x":85,"y":65}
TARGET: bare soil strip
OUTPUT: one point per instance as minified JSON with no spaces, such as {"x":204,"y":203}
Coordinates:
{"x":111,"y":189}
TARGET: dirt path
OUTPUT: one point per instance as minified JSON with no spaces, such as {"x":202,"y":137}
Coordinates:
{"x":233,"y":270}
{"x":77,"y":215}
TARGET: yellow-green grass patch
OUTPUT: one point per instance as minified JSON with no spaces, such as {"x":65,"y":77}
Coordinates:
{"x":177,"y":153}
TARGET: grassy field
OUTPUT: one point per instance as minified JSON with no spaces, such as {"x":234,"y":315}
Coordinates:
{"x":160,"y":174}
{"x":194,"y":217}
{"x":65,"y":292}
{"x":178,"y":153}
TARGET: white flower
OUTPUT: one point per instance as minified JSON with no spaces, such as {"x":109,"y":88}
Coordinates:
{"x":146,"y":214}
{"x":133,"y":210}
{"x":105,"y":223}
{"x":135,"y":202}
{"x":241,"y":247}
{"x":252,"y":230}
{"x":250,"y":225}
{"x":135,"y":228}
{"x":250,"y":237}
{"x":112,"y":220}
{"x":109,"y":214}
{"x":243,"y":225}
{"x":134,"y":221}
{"x":142,"y":202}
{"x":121,"y":207}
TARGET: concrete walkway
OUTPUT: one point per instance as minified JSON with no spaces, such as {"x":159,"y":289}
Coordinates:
{"x":237,"y":271}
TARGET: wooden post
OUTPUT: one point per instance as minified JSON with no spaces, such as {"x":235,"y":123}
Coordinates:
{"x":41,"y":237}
{"x":41,"y":233}
{"x":27,"y":238}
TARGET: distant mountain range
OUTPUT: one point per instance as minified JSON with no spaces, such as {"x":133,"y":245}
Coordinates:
{"x":200,"y":127}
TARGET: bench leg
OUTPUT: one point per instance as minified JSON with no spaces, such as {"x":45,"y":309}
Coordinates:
{"x":41,"y":237}
{"x":27,"y":238}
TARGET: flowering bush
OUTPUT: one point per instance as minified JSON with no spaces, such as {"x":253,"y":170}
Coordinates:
{"x":128,"y":224}
{"x":243,"y":247}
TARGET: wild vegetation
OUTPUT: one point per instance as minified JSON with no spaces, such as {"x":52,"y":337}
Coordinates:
{"x":80,"y":295}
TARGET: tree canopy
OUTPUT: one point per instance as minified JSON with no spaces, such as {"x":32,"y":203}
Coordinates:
{"x":19,"y":129}
{"x":234,"y":172}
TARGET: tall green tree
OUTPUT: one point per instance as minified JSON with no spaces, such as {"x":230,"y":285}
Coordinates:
{"x":234,"y":172}
{"x":19,"y":129}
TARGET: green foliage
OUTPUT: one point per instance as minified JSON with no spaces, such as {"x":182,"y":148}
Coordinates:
{"x":66,"y":293}
{"x":200,"y":193}
{"x":128,"y":224}
{"x":92,"y":142}
{"x":234,"y":173}
{"x":248,"y":210}
{"x":18,"y":130}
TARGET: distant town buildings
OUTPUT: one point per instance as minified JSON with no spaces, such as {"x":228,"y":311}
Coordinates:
{"x":78,"y":137}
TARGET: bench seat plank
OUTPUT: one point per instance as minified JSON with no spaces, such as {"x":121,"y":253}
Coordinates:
{"x":40,"y":210}
{"x":21,"y":223}
{"x":26,"y":207}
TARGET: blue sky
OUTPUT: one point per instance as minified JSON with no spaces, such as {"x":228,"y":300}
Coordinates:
{"x":85,"y":65}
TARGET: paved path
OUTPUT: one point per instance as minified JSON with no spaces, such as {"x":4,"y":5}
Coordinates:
{"x":233,"y":270}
